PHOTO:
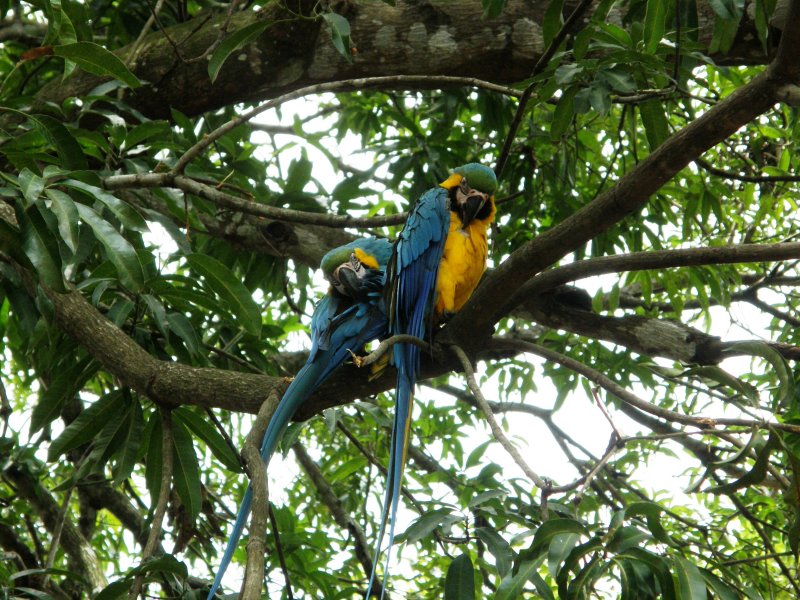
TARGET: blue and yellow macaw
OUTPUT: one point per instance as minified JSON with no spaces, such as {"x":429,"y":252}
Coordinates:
{"x":349,"y":316}
{"x":437,"y":262}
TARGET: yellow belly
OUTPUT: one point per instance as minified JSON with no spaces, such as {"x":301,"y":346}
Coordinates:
{"x":463,"y":264}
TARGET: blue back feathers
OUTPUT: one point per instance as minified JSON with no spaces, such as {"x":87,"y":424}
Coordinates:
{"x":339,"y":324}
{"x":410,"y":290}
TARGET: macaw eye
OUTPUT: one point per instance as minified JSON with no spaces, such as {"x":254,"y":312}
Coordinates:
{"x":355,"y":263}
{"x":464,"y":186}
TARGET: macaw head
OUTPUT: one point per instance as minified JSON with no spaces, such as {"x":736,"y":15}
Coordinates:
{"x":472,"y":188}
{"x":356,"y":269}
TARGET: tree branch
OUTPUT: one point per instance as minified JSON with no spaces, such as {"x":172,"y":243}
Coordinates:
{"x":657,"y":259}
{"x":630,"y":194}
{"x":339,"y":514}
{"x":497,"y":431}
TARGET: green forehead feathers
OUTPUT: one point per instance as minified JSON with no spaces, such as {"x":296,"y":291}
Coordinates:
{"x":334,"y":258}
{"x":479,"y":177}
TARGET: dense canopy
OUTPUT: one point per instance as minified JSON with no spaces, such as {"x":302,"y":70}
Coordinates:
{"x":612,"y":414}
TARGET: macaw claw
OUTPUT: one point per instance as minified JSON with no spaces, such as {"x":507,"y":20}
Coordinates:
{"x":357,"y":360}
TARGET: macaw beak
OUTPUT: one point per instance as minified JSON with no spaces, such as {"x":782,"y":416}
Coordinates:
{"x":471,"y":207}
{"x":348,"y":280}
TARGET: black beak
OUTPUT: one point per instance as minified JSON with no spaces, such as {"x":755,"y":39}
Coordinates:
{"x":349,"y":280}
{"x":470,"y":208}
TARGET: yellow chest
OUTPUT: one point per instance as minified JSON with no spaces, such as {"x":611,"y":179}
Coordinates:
{"x":463,"y":264}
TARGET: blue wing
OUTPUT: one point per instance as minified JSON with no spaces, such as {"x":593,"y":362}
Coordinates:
{"x":338,"y":326}
{"x":411,"y":289}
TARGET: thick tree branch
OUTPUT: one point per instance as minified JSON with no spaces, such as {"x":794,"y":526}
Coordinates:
{"x":657,"y":259}
{"x":306,"y":244}
{"x":630,"y":194}
{"x":437,"y":38}
{"x":256,"y":544}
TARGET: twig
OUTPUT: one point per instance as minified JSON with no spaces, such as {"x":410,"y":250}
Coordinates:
{"x":526,"y":94}
{"x":226,"y":436}
{"x":497,"y":431}
{"x":56,"y":535}
{"x":659,"y":259}
{"x":340,"y":515}
{"x":749,"y":178}
{"x":224,"y":200}
{"x":333,"y":86}
{"x":220,"y":35}
{"x":629,"y":398}
{"x":5,"y":407}
{"x":290,"y":301}
{"x":137,"y":45}
{"x":279,"y":548}
{"x":603,"y":410}
{"x":383,"y":348}
{"x":163,"y":498}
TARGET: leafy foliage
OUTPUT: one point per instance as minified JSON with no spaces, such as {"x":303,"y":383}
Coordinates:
{"x":190,"y":277}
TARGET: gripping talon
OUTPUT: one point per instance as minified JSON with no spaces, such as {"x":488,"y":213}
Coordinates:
{"x":357,"y":360}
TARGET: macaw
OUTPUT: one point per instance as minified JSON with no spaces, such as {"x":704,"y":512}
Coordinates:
{"x":348,"y":316}
{"x":436,"y":264}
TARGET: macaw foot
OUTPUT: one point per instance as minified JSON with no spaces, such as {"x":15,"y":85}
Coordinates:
{"x":357,"y":360}
{"x":288,"y":380}
{"x":446,"y":316}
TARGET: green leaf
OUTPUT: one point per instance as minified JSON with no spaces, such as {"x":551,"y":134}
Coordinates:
{"x":127,"y":216}
{"x":145,"y":131}
{"x":130,"y":444}
{"x":97,"y":60}
{"x":691,"y":584}
{"x":212,"y":438}
{"x":186,"y":470}
{"x":560,"y":547}
{"x":425,"y":524}
{"x":68,"y":378}
{"x":120,"y":252}
{"x":31,"y":185}
{"x":498,"y":547}
{"x":340,"y":33}
{"x":232,"y":43}
{"x":563,"y":114}
{"x":553,"y":19}
{"x":182,"y":327}
{"x":40,"y":246}
{"x":154,"y":456}
{"x":784,"y":393}
{"x":492,"y":8}
{"x":655,"y":18}
{"x":86,"y":426}
{"x":755,"y":475}
{"x":459,"y":584}
{"x":652,"y":513}
{"x":549,"y":529}
{"x":655,"y":123}
{"x":230,"y":290}
{"x":510,"y":587}
{"x":115,"y":590}
{"x":298,"y":176}
{"x":64,"y":209}
{"x":67,"y":147}
{"x":165,"y":563}
{"x":720,"y":589}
